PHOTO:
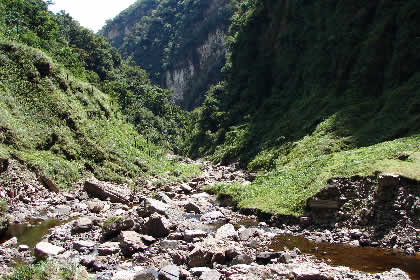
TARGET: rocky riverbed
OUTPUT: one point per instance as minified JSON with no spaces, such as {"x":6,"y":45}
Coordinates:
{"x":177,"y":232}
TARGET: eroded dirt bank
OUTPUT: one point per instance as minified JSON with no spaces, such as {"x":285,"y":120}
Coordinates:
{"x":179,"y":232}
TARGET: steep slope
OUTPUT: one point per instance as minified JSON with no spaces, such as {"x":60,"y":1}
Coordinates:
{"x":180,"y":43}
{"x":62,"y":91}
{"x":315,"y":89}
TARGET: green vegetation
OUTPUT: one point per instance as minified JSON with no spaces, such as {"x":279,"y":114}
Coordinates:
{"x":313,"y":90}
{"x":64,"y":95}
{"x":48,"y":270}
{"x":4,"y":222}
{"x":159,"y":35}
{"x":110,"y":222}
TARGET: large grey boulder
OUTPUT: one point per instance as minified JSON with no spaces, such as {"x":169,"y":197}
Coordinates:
{"x":200,"y":257}
{"x":227,"y":232}
{"x":157,"y":226}
{"x":150,"y":206}
{"x":81,"y":225}
{"x":45,"y":249}
{"x":104,"y":191}
{"x":131,"y":242}
{"x":82,"y":245}
{"x":169,"y":272}
{"x":109,"y":248}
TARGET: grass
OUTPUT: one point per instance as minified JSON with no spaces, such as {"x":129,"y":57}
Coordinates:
{"x":305,"y":169}
{"x":46,"y":271}
{"x":68,"y":129}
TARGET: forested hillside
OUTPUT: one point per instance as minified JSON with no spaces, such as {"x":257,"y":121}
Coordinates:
{"x":314,"y":89}
{"x":72,"y":107}
{"x":179,"y":43}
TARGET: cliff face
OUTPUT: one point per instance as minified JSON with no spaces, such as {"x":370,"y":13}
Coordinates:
{"x":190,"y":77}
{"x":180,"y":43}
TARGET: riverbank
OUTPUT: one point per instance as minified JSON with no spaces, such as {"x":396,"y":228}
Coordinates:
{"x":177,"y":231}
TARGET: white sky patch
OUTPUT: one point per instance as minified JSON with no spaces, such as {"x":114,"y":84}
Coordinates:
{"x":91,"y":13}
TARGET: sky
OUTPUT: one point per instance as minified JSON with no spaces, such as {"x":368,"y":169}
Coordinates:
{"x":91,"y":13}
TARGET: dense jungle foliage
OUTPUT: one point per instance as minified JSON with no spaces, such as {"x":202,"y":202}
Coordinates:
{"x":157,"y":34}
{"x":67,"y":100}
{"x":314,"y":90}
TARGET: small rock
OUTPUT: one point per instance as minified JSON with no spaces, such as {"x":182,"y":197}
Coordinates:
{"x":266,"y":257}
{"x":213,"y":217}
{"x":197,"y":271}
{"x":92,"y":264}
{"x":169,"y":272}
{"x":45,"y":249}
{"x":242,"y":259}
{"x":186,"y":189}
{"x":210,"y":275}
{"x":81,"y":225}
{"x":124,"y":275}
{"x":144,"y":275}
{"x":23,"y":248}
{"x":10,"y":243}
{"x":192,"y":207}
{"x":163,"y":197}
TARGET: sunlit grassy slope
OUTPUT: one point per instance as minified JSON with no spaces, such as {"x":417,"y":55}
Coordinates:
{"x":67,"y":128}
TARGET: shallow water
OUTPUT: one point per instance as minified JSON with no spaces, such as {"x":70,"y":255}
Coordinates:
{"x":367,"y":259}
{"x":31,"y":233}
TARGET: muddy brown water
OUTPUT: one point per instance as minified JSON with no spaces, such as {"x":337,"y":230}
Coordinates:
{"x":367,"y":259}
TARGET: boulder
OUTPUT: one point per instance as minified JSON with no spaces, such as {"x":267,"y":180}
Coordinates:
{"x":131,"y":242}
{"x":213,"y":217}
{"x":144,"y":275}
{"x":150,"y":206}
{"x":82,"y":246}
{"x":200,"y":257}
{"x":248,"y":233}
{"x":105,"y":191}
{"x":264,"y":258}
{"x":163,"y":198}
{"x":45,"y":249}
{"x":109,"y":248}
{"x":81,"y":225}
{"x":189,"y":235}
{"x":169,"y":272}
{"x":227,"y":232}
{"x":305,"y":272}
{"x":96,"y":206}
{"x":192,"y":207}
{"x":186,"y":189}
{"x":157,"y":226}
{"x":114,"y":225}
{"x":242,"y":259}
